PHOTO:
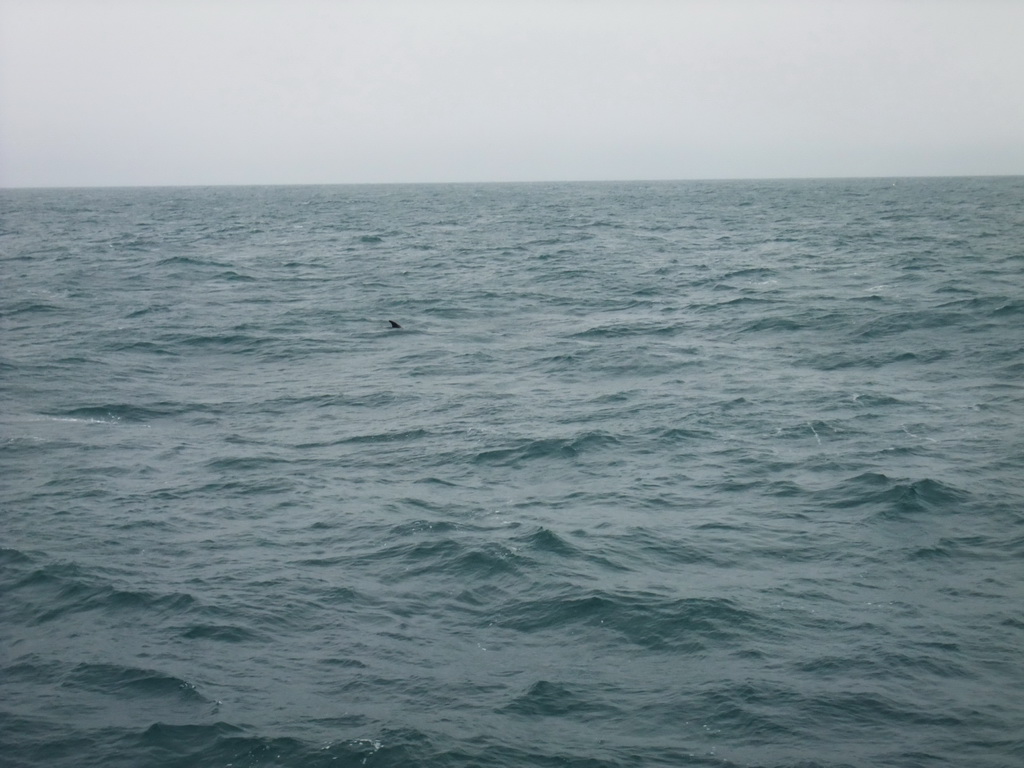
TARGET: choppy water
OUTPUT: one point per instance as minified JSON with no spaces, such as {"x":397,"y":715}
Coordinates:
{"x":675,"y":474}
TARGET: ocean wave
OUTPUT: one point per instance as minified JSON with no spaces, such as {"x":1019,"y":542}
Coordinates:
{"x":114,"y":413}
{"x":647,"y":620}
{"x":546,"y":448}
{"x":445,"y":558}
{"x":550,"y":699}
{"x":891,"y":498}
{"x":626,"y":330}
{"x":55,"y":591}
{"x":130,"y":682}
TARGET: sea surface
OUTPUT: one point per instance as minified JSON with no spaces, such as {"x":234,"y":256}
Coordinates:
{"x":653,"y":474}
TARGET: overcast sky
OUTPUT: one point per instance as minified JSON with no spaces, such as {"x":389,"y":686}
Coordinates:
{"x":156,"y":92}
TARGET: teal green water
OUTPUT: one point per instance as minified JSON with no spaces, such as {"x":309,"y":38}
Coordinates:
{"x":668,"y":474}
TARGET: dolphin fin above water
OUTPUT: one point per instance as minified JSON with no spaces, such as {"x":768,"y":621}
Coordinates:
{"x":394,"y":324}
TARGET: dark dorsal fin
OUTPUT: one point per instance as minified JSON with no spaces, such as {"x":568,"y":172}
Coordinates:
{"x":394,"y":324}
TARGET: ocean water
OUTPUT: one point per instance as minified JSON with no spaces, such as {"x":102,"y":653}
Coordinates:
{"x":653,"y":474}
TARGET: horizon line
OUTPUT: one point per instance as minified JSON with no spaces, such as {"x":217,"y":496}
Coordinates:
{"x":7,"y":188}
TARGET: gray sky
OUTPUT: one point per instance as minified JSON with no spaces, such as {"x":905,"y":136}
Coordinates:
{"x":154,"y":92}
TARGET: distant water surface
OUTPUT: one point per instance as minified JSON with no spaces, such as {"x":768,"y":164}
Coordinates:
{"x":654,"y":474}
